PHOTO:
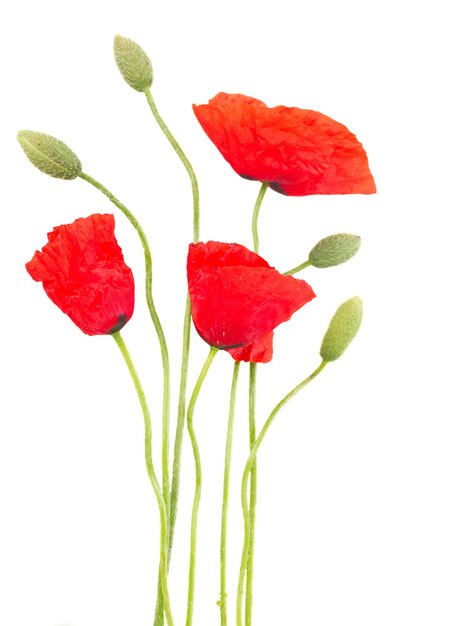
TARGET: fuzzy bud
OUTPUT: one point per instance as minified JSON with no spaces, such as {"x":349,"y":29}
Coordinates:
{"x":50,"y":155}
{"x":334,"y":250}
{"x":133,"y":63}
{"x":342,"y":329}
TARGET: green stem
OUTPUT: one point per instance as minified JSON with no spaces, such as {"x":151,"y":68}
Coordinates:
{"x":157,"y":324}
{"x":255,"y":217}
{"x":185,"y":344}
{"x":244,"y":486}
{"x":226,"y":491}
{"x":252,"y":427}
{"x":253,"y":492}
{"x":177,"y":449}
{"x":180,"y":423}
{"x":151,"y":474}
{"x":297,"y":269}
{"x":198,"y":483}
{"x":185,"y":161}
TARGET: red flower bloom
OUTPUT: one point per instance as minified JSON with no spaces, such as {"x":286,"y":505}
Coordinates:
{"x":298,"y":152}
{"x":83,"y":272}
{"x":238,"y":299}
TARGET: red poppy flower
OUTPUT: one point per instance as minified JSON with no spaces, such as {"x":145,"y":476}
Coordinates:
{"x":297,"y":151}
{"x":83,"y":272}
{"x":238,"y":299}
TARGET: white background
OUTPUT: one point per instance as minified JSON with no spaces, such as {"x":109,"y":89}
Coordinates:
{"x":363,"y":513}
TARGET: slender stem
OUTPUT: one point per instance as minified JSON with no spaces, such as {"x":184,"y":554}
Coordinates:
{"x":255,"y":216}
{"x":244,"y":485}
{"x":157,"y":325}
{"x":184,"y":159}
{"x":253,"y":492}
{"x":297,"y":269}
{"x":151,"y":474}
{"x":198,"y":483}
{"x":252,"y":428}
{"x":180,"y":423}
{"x":185,"y":343}
{"x":177,"y":449}
{"x":226,"y":491}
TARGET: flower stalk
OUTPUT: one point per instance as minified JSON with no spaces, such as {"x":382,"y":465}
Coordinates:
{"x":253,"y":493}
{"x":226,"y":490}
{"x":252,"y":434}
{"x":181,"y":414}
{"x":198,"y":483}
{"x":185,"y":161}
{"x":255,"y":217}
{"x":152,"y":476}
{"x":244,"y":487}
{"x":298,"y":268}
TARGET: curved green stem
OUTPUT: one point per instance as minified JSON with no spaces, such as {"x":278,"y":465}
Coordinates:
{"x":252,"y":428}
{"x":185,"y":161}
{"x":151,"y":474}
{"x":255,"y":216}
{"x":298,"y":268}
{"x":177,"y":449}
{"x":157,"y":324}
{"x":180,"y":423}
{"x":244,"y":486}
{"x":253,"y":492}
{"x":185,"y":343}
{"x":226,"y":491}
{"x":198,"y":483}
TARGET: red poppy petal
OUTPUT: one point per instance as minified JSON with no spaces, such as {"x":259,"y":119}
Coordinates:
{"x":83,"y":272}
{"x":217,"y":254}
{"x":234,"y":305}
{"x":259,"y":351}
{"x":299,"y":152}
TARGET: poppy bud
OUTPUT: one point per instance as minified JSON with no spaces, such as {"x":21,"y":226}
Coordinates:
{"x":342,"y":329}
{"x":133,"y":63}
{"x":334,"y":250}
{"x":50,"y":155}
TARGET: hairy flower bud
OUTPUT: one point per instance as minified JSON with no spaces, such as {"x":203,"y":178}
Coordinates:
{"x":133,"y":63}
{"x":342,"y":329}
{"x":50,"y":155}
{"x":334,"y":250}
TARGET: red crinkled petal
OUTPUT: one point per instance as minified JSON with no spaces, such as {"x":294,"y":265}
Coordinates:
{"x":216,"y":254}
{"x":259,"y":351}
{"x":83,"y":272}
{"x":236,"y":296}
{"x":297,"y":151}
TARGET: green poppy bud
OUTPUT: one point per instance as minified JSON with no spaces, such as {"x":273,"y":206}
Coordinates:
{"x":133,"y":63}
{"x":334,"y":250}
{"x":342,"y":329}
{"x":50,"y":155}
